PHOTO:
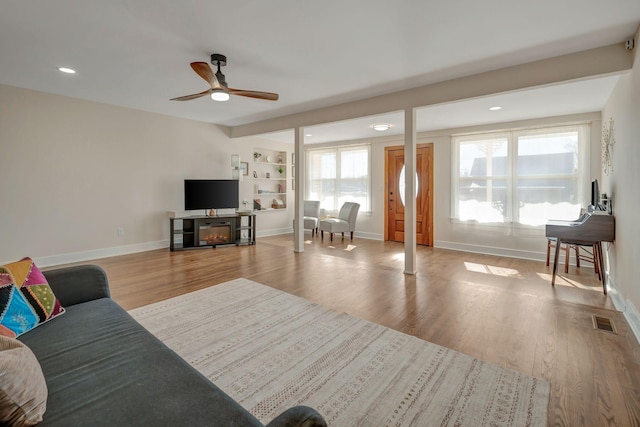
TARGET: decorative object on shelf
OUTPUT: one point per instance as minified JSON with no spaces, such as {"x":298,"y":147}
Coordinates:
{"x":280,"y":159}
{"x":256,"y":155}
{"x":244,"y":167}
{"x":269,"y":159}
{"x":268,"y":175}
{"x":280,"y":169}
{"x":255,"y":174}
{"x":278,"y":204}
{"x":256,"y":205}
{"x":607,"y":144}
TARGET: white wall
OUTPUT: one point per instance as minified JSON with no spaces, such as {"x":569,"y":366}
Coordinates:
{"x":73,"y":172}
{"x":623,"y":184}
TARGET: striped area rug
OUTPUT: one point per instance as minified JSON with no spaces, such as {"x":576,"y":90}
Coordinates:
{"x":270,"y":350}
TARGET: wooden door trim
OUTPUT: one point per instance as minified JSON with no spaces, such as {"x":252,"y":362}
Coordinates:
{"x":429,"y":190}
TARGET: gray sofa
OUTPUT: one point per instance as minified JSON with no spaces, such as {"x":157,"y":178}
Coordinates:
{"x":102,"y":368}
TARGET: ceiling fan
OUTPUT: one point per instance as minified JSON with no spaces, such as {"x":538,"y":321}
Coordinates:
{"x":219,"y":90}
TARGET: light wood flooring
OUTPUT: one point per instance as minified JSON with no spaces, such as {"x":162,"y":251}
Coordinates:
{"x":500,"y":310}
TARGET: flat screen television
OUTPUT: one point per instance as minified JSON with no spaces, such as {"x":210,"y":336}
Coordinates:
{"x":595,"y":195}
{"x":211,"y":194}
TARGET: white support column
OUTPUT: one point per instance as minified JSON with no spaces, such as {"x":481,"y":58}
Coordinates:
{"x":410,"y":191}
{"x":298,"y":224}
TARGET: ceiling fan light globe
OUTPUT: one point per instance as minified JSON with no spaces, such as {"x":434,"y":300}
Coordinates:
{"x":219,"y":95}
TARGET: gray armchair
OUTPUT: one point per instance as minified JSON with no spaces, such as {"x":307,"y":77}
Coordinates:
{"x":311,"y":215}
{"x":346,"y":221}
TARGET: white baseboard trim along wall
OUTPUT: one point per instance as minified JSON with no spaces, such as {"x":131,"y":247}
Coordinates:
{"x":52,"y":260}
{"x":630,"y":312}
{"x":274,"y":232}
{"x":489,"y":250}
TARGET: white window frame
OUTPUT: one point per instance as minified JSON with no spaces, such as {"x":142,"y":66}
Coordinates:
{"x":364,"y":208}
{"x":511,"y":214}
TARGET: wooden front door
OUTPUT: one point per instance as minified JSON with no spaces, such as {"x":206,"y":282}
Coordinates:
{"x":394,"y":165}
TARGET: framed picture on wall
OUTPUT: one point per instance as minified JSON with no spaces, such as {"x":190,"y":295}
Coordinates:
{"x":244,"y":167}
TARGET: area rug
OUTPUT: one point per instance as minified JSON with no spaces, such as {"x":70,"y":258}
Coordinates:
{"x":270,"y":350}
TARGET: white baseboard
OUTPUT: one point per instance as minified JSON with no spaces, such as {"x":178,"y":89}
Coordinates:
{"x":274,"y":232}
{"x":489,"y":250}
{"x":48,"y":261}
{"x":627,"y":308}
{"x":616,"y":298}
{"x":370,"y":236}
{"x":632,"y":315}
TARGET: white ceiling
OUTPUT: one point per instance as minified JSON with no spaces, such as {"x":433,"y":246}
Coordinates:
{"x":569,"y":98}
{"x":136,"y":54}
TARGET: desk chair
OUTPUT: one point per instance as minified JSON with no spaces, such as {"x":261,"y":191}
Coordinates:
{"x":577,"y":247}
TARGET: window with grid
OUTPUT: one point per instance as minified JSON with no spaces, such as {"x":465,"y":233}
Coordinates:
{"x":338,"y":175}
{"x":520,"y":177}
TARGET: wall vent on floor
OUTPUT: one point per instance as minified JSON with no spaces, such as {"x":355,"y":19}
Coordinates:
{"x":604,"y":324}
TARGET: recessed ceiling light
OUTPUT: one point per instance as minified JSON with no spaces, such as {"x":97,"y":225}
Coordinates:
{"x":308,"y":134}
{"x":67,"y":70}
{"x":496,"y":108}
{"x":381,"y":127}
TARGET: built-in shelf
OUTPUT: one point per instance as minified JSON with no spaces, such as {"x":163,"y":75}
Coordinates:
{"x":269,"y":172}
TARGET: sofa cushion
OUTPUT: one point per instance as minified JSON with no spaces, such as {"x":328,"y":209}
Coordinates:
{"x":23,"y":390}
{"x":26,"y":299}
{"x":104,"y":369}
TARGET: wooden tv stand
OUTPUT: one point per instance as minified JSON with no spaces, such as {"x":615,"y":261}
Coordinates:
{"x":212,"y":231}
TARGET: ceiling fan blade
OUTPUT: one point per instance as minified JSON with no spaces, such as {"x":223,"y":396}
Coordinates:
{"x":204,"y":70}
{"x":190,"y":97}
{"x":254,"y":94}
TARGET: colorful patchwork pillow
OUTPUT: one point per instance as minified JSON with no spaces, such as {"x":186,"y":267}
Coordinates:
{"x":26,"y":299}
